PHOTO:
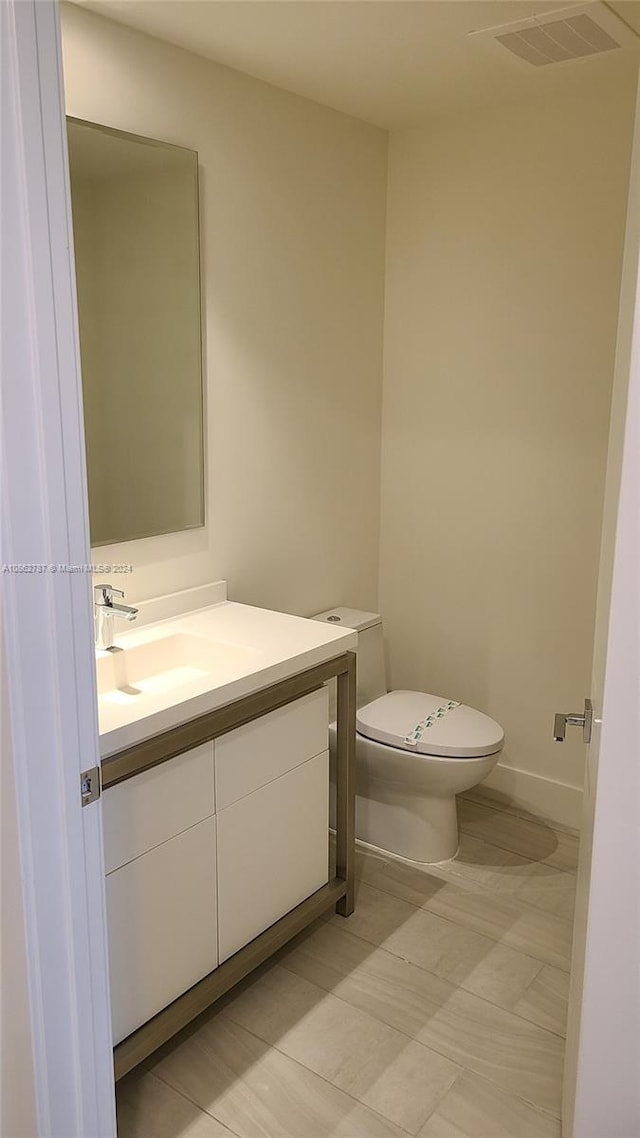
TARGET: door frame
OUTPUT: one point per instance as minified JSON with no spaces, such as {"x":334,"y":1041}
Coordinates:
{"x":50,"y":684}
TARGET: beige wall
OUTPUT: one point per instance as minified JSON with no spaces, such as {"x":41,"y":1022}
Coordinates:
{"x":504,"y":244}
{"x":293,"y":217}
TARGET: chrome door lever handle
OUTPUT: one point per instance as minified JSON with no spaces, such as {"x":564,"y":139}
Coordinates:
{"x":562,"y":720}
{"x":559,"y":727}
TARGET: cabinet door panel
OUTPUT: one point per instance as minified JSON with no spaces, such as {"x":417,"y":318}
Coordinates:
{"x":272,"y":852}
{"x":156,"y":805}
{"x":258,"y":752}
{"x":161,"y":912}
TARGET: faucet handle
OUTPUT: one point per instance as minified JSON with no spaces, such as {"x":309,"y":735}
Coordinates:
{"x":103,"y":594}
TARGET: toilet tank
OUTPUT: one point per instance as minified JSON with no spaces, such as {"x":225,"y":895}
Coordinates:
{"x":371,"y":678}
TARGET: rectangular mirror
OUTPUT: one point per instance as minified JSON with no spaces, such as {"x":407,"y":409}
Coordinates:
{"x":135,"y":226}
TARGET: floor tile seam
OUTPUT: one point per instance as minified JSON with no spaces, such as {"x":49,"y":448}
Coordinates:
{"x":464,"y":1072}
{"x":440,"y":870}
{"x":548,"y":1114}
{"x":401,"y":1031}
{"x":522,"y":909}
{"x":434,"y":975}
{"x":566,"y":971}
{"x":464,"y":829}
{"x":551,"y":1115}
{"x":378,"y":889}
{"x":467,"y":885}
{"x":541,"y":1110}
{"x":463,"y":1068}
{"x":192,"y":1102}
{"x":454,"y":877}
{"x":533,"y":978}
{"x":298,"y":1063}
{"x":522,"y":816}
{"x":449,"y":920}
{"x":533,"y":909}
{"x":467,"y":991}
{"x":561,"y":1034}
{"x":551,"y":1031}
{"x":558,"y":967}
{"x":544,"y":1111}
{"x":370,"y":1015}
{"x":529,"y":907}
{"x":467,"y":926}
{"x":525,"y":857}
{"x":540,"y":822}
{"x":508,"y":895}
{"x":355,"y":1007}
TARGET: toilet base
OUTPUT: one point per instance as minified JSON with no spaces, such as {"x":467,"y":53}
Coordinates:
{"x":418,"y":827}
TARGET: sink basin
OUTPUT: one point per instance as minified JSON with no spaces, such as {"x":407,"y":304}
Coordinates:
{"x":167,"y":664}
{"x":183,"y":661}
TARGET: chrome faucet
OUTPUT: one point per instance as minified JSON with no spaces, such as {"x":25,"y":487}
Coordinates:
{"x":104,"y":611}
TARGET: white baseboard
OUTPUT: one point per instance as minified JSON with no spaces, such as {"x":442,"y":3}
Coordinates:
{"x":555,"y":801}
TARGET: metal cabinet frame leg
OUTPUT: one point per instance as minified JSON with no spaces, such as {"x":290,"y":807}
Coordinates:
{"x":346,"y":786}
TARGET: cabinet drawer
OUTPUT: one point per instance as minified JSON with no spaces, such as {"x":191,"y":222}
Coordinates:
{"x":253,"y":755}
{"x":272,"y":852}
{"x":156,"y":805}
{"x":161,"y":912}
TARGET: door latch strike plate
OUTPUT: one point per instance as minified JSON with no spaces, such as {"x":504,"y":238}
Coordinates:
{"x":90,"y":785}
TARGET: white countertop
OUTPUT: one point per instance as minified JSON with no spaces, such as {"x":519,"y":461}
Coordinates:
{"x":263,"y":648}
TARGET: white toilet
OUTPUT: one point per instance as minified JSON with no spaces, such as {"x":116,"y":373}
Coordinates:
{"x":414,"y":753}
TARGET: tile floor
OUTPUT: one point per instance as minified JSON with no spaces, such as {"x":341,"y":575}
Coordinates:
{"x":437,"y":1010}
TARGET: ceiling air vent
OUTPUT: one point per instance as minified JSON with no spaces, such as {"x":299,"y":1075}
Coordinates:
{"x":567,"y":33}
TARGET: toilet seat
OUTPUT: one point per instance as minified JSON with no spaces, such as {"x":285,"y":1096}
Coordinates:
{"x":429,"y":725}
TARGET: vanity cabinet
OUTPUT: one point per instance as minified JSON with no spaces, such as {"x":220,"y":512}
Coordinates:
{"x":161,"y":918}
{"x":260,"y":751}
{"x":272,"y":779}
{"x":272,"y":852}
{"x":156,"y":805}
{"x":217,"y":854}
{"x":161,"y":886}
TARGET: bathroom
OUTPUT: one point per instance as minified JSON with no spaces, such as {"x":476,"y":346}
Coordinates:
{"x":409,"y":324}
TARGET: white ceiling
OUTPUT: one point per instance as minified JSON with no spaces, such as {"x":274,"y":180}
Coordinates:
{"x":390,"y":62}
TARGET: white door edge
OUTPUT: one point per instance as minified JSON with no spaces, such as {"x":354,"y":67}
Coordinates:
{"x":601,"y":1089}
{"x":47,"y":614}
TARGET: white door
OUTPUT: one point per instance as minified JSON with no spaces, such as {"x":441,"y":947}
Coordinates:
{"x":49,"y":679}
{"x":602,"y":1068}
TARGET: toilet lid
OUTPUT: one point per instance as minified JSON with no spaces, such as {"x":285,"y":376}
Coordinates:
{"x":429,"y":725}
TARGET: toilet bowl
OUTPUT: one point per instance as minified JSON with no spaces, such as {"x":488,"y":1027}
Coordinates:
{"x":414,"y":753}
